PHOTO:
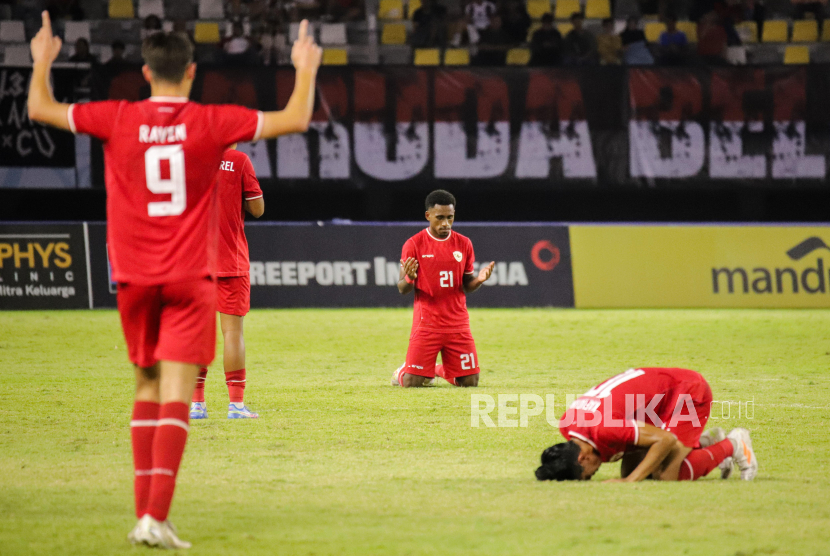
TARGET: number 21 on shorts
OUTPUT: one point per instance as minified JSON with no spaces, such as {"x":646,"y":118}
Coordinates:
{"x":468,"y":361}
{"x":173,"y":186}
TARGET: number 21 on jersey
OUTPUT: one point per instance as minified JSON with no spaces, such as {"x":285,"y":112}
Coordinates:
{"x":447,"y":280}
{"x":173,"y":186}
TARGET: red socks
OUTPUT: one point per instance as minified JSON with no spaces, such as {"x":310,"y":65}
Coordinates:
{"x":168,"y":448}
{"x":703,"y":460}
{"x":142,"y":431}
{"x":439,"y":371}
{"x":199,"y":392}
{"x":236,"y":385}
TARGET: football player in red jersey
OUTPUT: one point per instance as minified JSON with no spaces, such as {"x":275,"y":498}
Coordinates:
{"x":653,"y":419}
{"x":438,"y":264}
{"x":161,"y":157}
{"x":237,"y":190}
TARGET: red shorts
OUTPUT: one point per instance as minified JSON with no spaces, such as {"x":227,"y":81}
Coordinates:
{"x":169,"y":322}
{"x":458,"y":353}
{"x":697,"y":394}
{"x":233,"y":295}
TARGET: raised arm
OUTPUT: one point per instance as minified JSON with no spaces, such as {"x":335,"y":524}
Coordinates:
{"x":42,"y":105}
{"x":296,"y":115}
{"x":659,"y":443}
{"x":472,"y":283}
{"x":409,"y":272}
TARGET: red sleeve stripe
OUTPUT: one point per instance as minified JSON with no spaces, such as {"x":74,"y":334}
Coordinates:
{"x":71,"y":118}
{"x":252,"y":198}
{"x":260,"y":120}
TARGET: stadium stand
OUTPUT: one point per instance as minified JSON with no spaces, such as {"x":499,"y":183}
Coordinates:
{"x":456,"y":57}
{"x":335,"y":57}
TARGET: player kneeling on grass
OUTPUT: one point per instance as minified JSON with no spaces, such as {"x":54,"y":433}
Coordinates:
{"x":161,"y":157}
{"x":438,"y":264}
{"x":652,"y":418}
{"x":237,"y":189}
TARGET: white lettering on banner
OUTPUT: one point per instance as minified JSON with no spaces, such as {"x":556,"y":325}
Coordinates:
{"x":382,"y":160}
{"x":572,"y":143}
{"x":726,"y":158}
{"x":357,"y":273}
{"x":293,"y":158}
{"x":492,"y":150}
{"x":258,"y":153}
{"x":682,"y":153}
{"x":19,"y":133}
{"x":788,"y":158}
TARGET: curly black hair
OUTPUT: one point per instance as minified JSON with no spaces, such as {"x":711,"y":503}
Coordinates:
{"x":559,"y":463}
{"x":440,"y":197}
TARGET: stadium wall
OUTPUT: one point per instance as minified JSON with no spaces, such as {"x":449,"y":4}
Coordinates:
{"x":65,"y":266}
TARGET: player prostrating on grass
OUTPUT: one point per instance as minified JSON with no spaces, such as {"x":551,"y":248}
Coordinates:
{"x":656,"y":414}
{"x":237,"y":189}
{"x":161,"y":157}
{"x":438,"y":264}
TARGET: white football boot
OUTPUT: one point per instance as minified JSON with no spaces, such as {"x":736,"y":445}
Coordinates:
{"x":157,"y":534}
{"x":744,"y":455}
{"x":712,"y":437}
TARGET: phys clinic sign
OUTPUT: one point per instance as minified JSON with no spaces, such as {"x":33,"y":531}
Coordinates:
{"x":701,"y":266}
{"x":44,"y":267}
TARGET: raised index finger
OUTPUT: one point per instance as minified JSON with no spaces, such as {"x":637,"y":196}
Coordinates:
{"x":46,"y":23}
{"x":303,"y":32}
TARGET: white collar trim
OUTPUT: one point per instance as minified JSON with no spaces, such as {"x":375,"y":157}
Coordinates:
{"x":169,"y":99}
{"x":437,"y":239}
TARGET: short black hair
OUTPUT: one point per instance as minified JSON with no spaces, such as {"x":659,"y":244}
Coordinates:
{"x":607,"y":20}
{"x":559,"y":463}
{"x":577,"y":15}
{"x":547,"y":18}
{"x":440,"y":197}
{"x":168,"y":55}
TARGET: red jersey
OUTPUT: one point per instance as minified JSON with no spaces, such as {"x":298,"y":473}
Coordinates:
{"x":236,"y":181}
{"x":606,"y":416}
{"x":440,"y":301}
{"x":161,"y":158}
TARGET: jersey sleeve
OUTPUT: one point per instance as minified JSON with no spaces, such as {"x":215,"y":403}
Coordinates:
{"x":94,"y":118}
{"x":471,"y":259}
{"x":233,"y":124}
{"x":408,"y":250}
{"x":250,"y":183}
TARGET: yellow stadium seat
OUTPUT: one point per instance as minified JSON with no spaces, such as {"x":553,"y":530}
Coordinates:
{"x":390,"y":9}
{"x":748,"y":31}
{"x":335,"y":57}
{"x":412,"y":6}
{"x":653,"y":31}
{"x":566,"y":8}
{"x":535,"y":27}
{"x":597,"y":9}
{"x":456,"y":57}
{"x":564,"y":28}
{"x":775,"y":31}
{"x":121,"y":9}
{"x":518,"y":56}
{"x":427,"y":57}
{"x":797,"y":55}
{"x":206,"y":32}
{"x":825,"y":30}
{"x":689,"y":28}
{"x":805,"y":30}
{"x":393,"y":33}
{"x":537,"y":8}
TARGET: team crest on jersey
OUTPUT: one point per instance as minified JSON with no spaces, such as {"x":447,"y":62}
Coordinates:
{"x":457,"y":255}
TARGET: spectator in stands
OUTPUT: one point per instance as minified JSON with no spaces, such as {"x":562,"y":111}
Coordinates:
{"x":64,"y":9}
{"x":580,"y":46}
{"x":516,"y":21}
{"x":673,"y":44}
{"x":803,"y":7}
{"x":711,"y":39}
{"x":492,"y":44}
{"x":546,"y":44}
{"x":252,"y":9}
{"x":458,"y":31}
{"x":239,"y":49}
{"x":117,"y":58}
{"x":635,"y":48}
{"x":430,"y":25}
{"x":609,"y":44}
{"x":345,"y":10}
{"x":82,"y":53}
{"x":479,"y":13}
{"x":152,"y":25}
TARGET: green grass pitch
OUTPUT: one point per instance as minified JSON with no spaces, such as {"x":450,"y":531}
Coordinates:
{"x":341,"y":463}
